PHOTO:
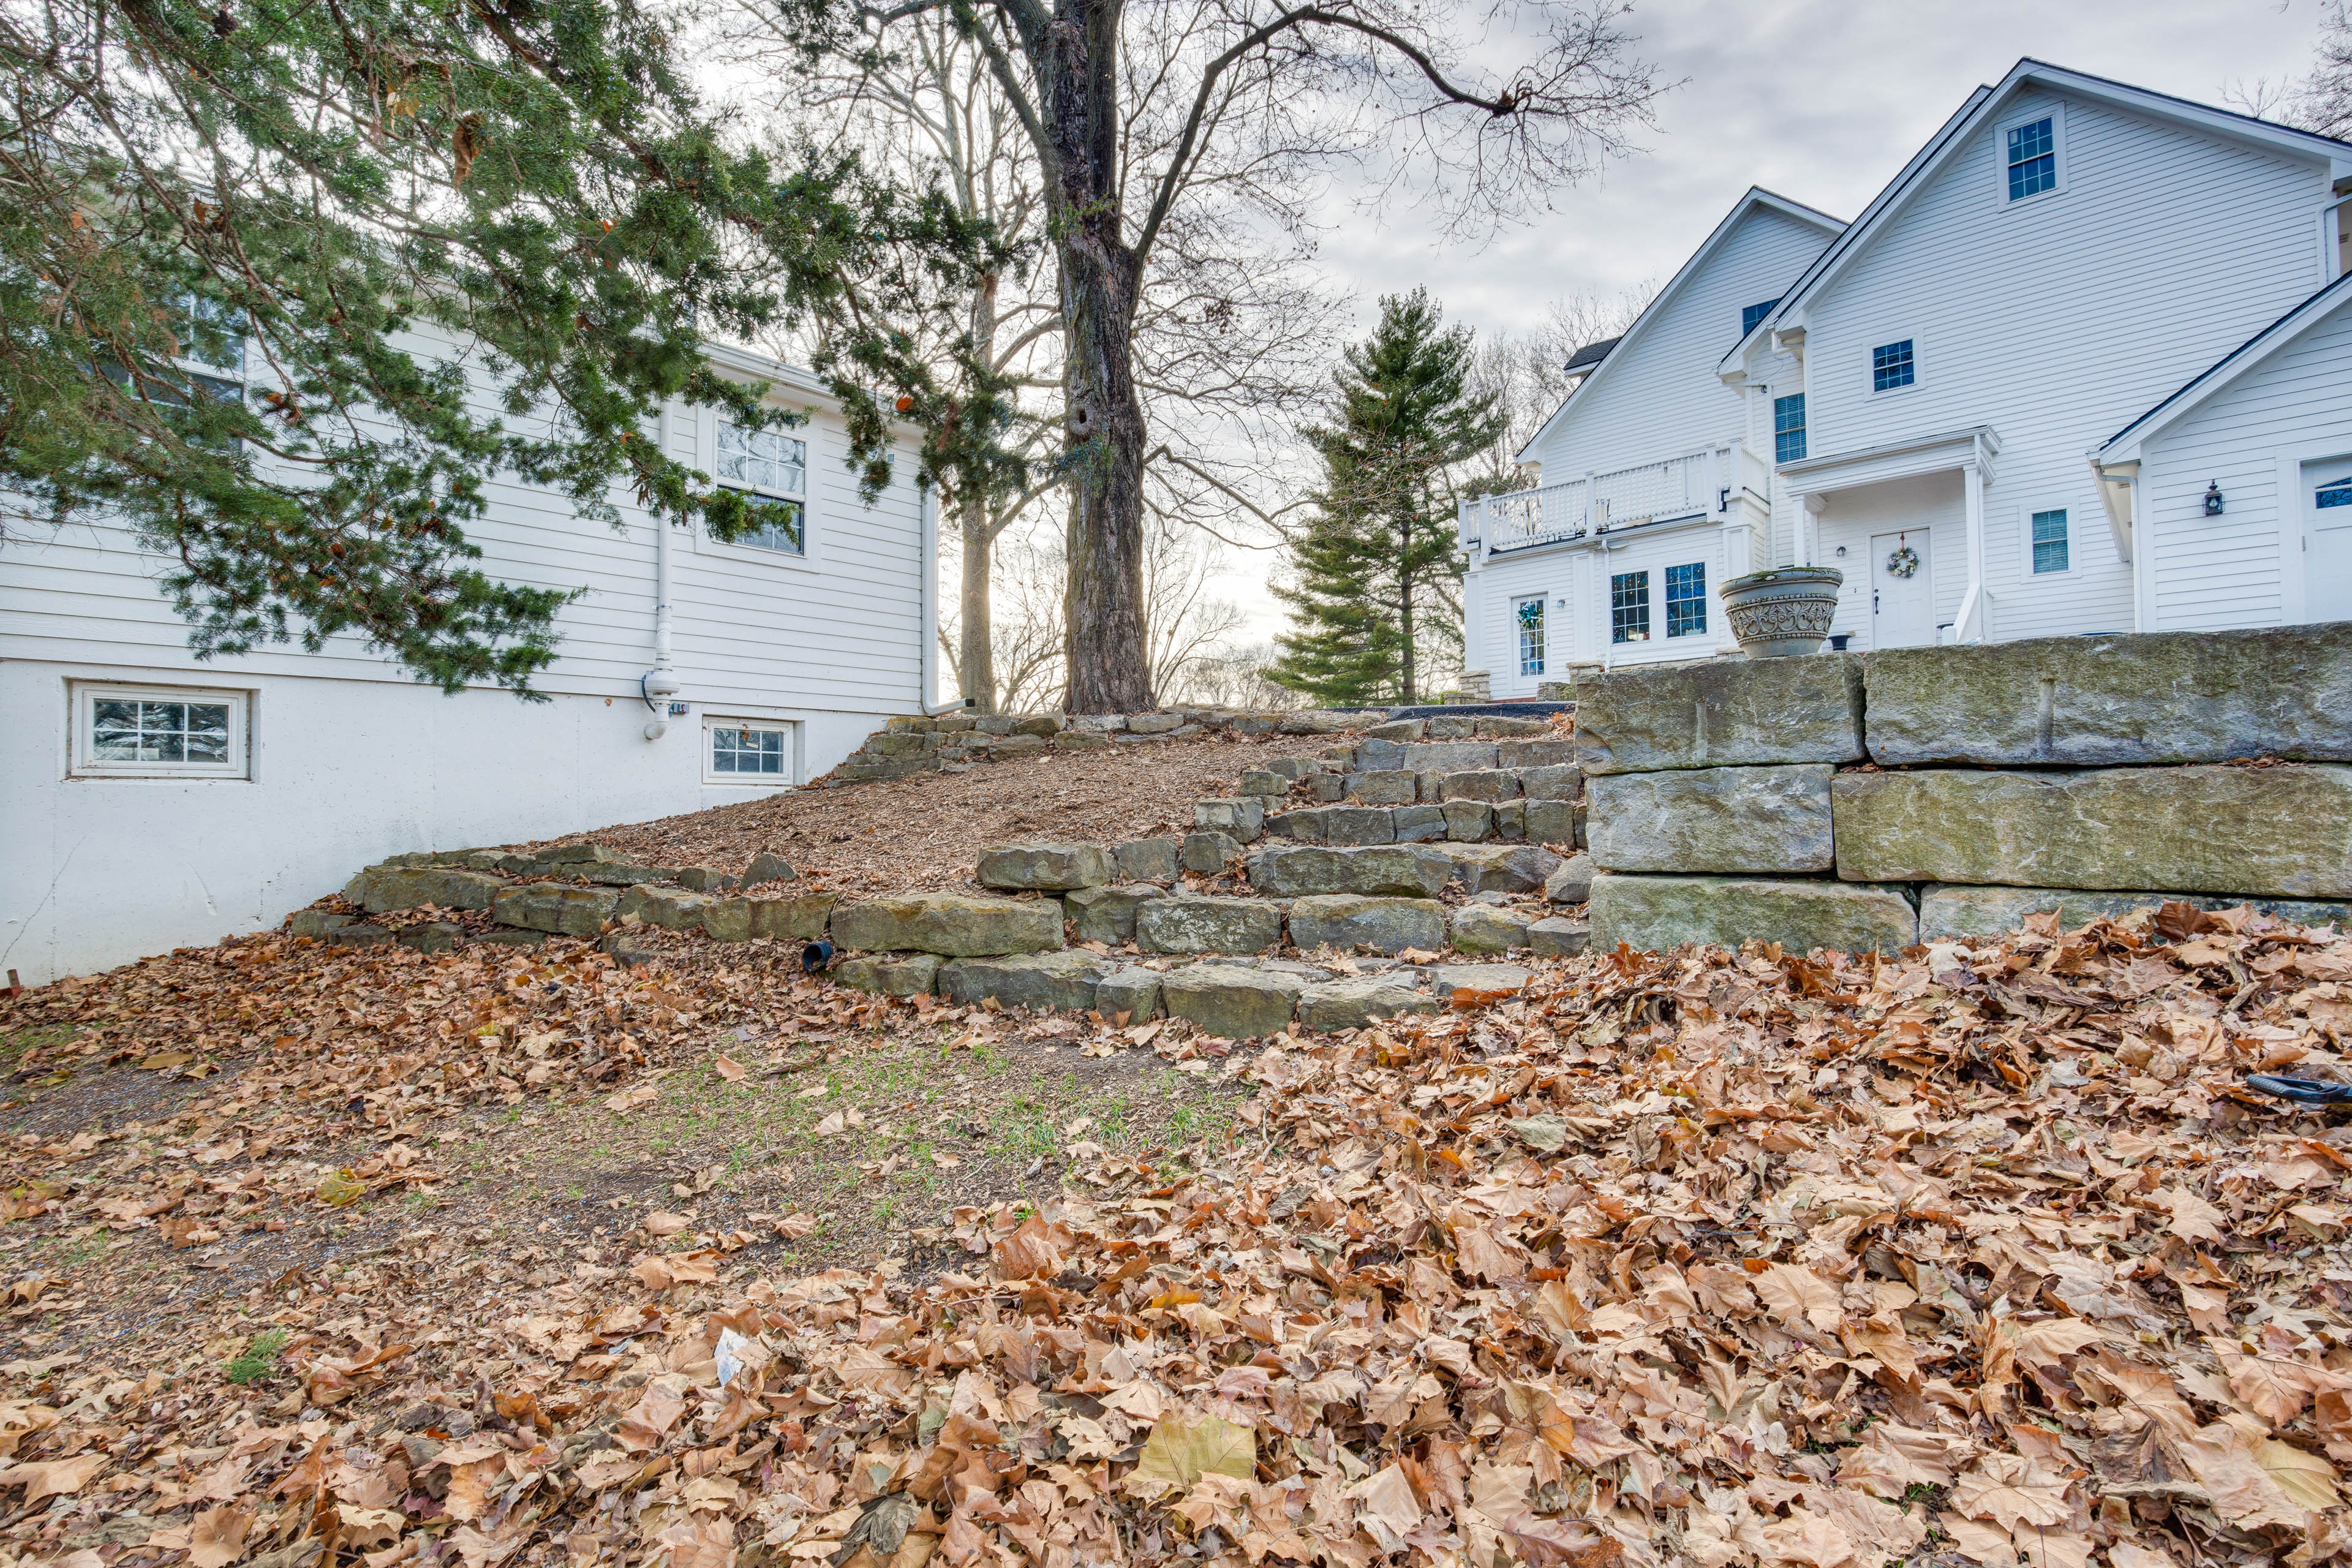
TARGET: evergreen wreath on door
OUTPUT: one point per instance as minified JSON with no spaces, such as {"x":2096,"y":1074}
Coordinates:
{"x":1903,"y":562}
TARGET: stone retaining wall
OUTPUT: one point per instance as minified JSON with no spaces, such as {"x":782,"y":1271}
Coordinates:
{"x":918,"y":744}
{"x":1875,"y":800}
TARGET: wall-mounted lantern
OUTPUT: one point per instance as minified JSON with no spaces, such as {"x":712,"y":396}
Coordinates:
{"x":2212,"y":498}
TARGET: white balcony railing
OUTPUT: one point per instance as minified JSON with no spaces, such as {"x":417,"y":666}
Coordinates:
{"x":1695,"y":484}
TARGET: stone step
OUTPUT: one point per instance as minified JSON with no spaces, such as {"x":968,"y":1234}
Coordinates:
{"x":1235,"y":998}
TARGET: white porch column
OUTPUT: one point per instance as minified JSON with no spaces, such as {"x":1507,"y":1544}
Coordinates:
{"x":1969,"y":625}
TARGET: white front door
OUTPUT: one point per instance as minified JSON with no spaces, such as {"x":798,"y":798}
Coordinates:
{"x":2327,"y":540}
{"x":1902,"y":609}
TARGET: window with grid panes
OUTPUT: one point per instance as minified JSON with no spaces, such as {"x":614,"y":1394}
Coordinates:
{"x":1891,"y":365}
{"x":1789,"y":429}
{"x":2032,"y":158}
{"x":1629,"y":607}
{"x":773,"y":467}
{"x":1686,"y":600}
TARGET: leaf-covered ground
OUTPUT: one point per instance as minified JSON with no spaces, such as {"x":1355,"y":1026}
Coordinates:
{"x":1979,"y":1255}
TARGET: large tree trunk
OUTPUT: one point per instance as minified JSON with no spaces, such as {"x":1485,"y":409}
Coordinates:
{"x":1103,"y":603}
{"x":976,"y":662}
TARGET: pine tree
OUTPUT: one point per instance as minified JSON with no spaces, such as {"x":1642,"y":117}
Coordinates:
{"x":231,"y":230}
{"x":1375,"y":577}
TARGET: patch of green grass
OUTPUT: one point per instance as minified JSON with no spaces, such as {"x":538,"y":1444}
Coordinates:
{"x":259,"y":1357}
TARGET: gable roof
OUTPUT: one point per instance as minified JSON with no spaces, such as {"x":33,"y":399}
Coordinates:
{"x":2125,"y":444}
{"x":1982,"y":106}
{"x":1755,"y":198}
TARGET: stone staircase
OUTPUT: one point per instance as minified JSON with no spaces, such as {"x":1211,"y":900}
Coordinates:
{"x":1382,"y":864}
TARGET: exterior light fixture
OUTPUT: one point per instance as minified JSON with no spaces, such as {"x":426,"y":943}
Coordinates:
{"x":2212,"y":498}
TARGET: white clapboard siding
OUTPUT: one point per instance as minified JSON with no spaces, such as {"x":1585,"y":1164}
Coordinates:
{"x":2057,"y":319}
{"x":351,"y":760}
{"x":2252,"y":438}
{"x":1660,"y":396}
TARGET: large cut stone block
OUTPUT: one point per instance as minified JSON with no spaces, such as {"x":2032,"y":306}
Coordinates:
{"x":1561,"y":782}
{"x":1050,"y":867}
{"x":1208,"y":925}
{"x":1406,"y":871}
{"x":1350,"y":920}
{"x":1445,"y":757}
{"x":2278,"y":832}
{"x":799,"y":919}
{"x":1108,"y":914}
{"x":1146,"y":860}
{"x":1134,"y":991}
{"x":1206,"y":853}
{"x":1359,"y":824}
{"x":1242,"y":816}
{"x":1572,"y":882}
{"x":1479,"y":784}
{"x":1723,"y":713}
{"x":1417,"y":823}
{"x":381,"y":888}
{"x":1557,"y":937}
{"x":544,"y":905}
{"x":1387,"y":786}
{"x":1653,"y":913}
{"x":1231,"y":1002}
{"x":1948,"y":912}
{"x":912,"y":975}
{"x":1064,"y":979}
{"x":2118,"y":702}
{"x":1304,"y":825}
{"x":1726,"y":820}
{"x":1483,"y":928}
{"x":1352,"y":1002}
{"x":955,"y":924}
{"x":667,"y":908}
{"x":1468,"y":821}
{"x":1555,"y":822}
{"x":1503,"y":867}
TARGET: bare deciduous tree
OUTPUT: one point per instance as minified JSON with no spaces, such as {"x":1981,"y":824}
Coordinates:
{"x":1245,"y":79}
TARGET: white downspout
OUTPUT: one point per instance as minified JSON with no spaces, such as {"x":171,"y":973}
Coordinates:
{"x":928,"y":564}
{"x":660,"y":683}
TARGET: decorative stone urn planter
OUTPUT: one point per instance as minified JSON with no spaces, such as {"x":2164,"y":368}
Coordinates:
{"x":1782,"y":612}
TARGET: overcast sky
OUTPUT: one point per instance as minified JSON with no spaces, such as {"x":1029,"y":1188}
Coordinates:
{"x":1820,"y":101}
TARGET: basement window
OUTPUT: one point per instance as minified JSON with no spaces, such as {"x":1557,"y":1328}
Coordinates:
{"x":744,"y":751}
{"x":148,"y":731}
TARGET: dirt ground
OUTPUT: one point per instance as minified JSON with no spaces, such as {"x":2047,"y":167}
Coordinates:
{"x":928,"y":830}
{"x":808,"y":1125}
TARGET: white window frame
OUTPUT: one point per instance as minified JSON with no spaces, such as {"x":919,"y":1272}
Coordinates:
{"x":707,"y":459}
{"x":84,"y":695}
{"x":2075,"y":536}
{"x":2056,"y":114}
{"x":790,"y":729}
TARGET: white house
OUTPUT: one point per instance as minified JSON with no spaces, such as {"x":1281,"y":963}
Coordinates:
{"x":2079,"y":367}
{"x":154,"y":799}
